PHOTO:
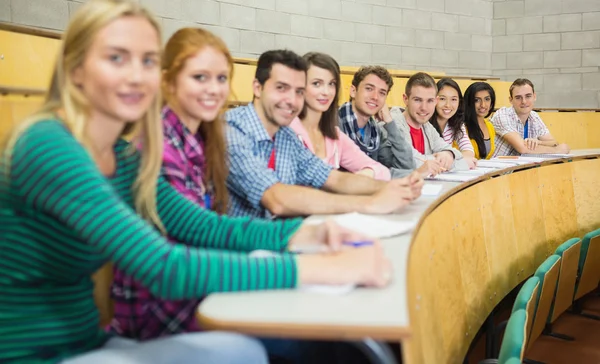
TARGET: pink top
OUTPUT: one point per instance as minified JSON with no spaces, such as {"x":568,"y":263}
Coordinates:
{"x":343,"y":153}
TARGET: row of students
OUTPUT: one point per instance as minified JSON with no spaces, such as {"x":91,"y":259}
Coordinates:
{"x":74,"y":195}
{"x":520,"y":130}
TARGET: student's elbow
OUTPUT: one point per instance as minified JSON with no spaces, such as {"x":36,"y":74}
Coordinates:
{"x":273,"y":200}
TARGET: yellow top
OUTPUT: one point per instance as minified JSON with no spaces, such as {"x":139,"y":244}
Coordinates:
{"x":492,"y":133}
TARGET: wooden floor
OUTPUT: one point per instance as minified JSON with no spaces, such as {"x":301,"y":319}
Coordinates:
{"x":585,"y":349}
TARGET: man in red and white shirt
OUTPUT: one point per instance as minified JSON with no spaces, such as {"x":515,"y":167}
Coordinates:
{"x":520,"y":130}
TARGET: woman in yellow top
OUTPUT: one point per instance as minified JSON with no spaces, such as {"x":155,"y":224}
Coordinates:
{"x":479,"y":104}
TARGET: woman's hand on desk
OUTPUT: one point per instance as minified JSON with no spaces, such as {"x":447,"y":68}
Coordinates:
{"x":366,"y":266}
{"x":329,"y":234}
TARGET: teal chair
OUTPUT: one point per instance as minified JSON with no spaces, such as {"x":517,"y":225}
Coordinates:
{"x":527,"y":299}
{"x":565,"y":288}
{"x":547,"y":273}
{"x":515,"y":337}
{"x":589,"y":265}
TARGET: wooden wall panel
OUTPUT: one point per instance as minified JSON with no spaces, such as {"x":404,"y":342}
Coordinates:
{"x":500,"y":239}
{"x":558,"y":201}
{"x":495,"y":234}
{"x":528,"y":219}
{"x":28,"y":60}
{"x":586,"y":190}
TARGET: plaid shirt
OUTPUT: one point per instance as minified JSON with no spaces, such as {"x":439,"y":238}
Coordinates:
{"x":138,"y":314}
{"x":370,"y":142}
{"x":250,"y":147}
{"x":505,"y":121}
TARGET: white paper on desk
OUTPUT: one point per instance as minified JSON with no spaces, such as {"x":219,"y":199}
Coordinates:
{"x":430,"y":189}
{"x":514,"y":161}
{"x":496,"y":163}
{"x":369,"y":225}
{"x":333,"y":290}
{"x":453,"y":177}
{"x":479,"y":171}
{"x":544,"y":156}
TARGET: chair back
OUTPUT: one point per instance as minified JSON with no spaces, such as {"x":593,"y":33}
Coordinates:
{"x":547,"y":273}
{"x":567,"y":275}
{"x":102,"y":281}
{"x":589,"y":264}
{"x":515,"y":337}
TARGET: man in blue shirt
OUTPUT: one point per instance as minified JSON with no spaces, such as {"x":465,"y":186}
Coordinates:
{"x":272,"y":173}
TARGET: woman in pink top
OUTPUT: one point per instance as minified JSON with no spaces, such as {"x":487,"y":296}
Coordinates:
{"x":316,"y":125}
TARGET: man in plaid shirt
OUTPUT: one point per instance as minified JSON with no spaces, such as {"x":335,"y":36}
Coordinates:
{"x":273,"y":174}
{"x":520,"y":130}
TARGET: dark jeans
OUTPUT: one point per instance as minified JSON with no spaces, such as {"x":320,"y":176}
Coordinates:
{"x":294,"y":351}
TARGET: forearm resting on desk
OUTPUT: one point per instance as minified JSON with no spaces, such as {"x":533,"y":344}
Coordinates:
{"x":289,"y":200}
{"x":352,"y":184}
{"x":361,"y":266}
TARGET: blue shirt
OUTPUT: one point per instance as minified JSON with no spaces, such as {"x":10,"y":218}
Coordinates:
{"x":250,"y":146}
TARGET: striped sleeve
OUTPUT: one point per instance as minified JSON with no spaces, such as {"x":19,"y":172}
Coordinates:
{"x":55,"y":175}
{"x":464,"y":144}
{"x":184,"y":221}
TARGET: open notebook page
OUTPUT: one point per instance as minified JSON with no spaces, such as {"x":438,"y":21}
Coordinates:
{"x":377,"y":227}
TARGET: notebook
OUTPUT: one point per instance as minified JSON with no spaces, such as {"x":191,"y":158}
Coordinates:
{"x":429,"y":189}
{"x":453,"y":177}
{"x":547,"y":155}
{"x":377,"y":227}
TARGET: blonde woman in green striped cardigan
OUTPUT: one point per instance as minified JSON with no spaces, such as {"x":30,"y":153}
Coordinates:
{"x":74,"y":195}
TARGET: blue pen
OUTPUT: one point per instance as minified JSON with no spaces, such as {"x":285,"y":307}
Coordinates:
{"x":357,"y":244}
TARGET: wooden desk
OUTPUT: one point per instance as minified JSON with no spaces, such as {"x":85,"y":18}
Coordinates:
{"x":473,"y":244}
{"x":378,"y":313}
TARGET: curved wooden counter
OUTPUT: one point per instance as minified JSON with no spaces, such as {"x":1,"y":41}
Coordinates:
{"x":481,"y":239}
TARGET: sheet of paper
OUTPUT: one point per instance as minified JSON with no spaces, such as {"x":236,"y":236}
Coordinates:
{"x":334,"y":290}
{"x":516,"y":161}
{"x":547,"y":155}
{"x":479,"y":171}
{"x":375,"y":226}
{"x":453,"y":177}
{"x":429,"y":189}
{"x":498,"y":164}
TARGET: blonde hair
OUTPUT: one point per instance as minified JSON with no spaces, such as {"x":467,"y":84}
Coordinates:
{"x":182,"y":45}
{"x":66,"y":99}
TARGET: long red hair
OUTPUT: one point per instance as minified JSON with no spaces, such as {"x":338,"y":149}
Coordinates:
{"x":185,"y":43}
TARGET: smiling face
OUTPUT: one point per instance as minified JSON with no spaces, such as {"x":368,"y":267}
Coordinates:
{"x":320,"y":89}
{"x":448,"y":102}
{"x":202,"y":86}
{"x":120,"y":74}
{"x":483,"y":102}
{"x":369,"y":97}
{"x":281,"y":98}
{"x":420,"y":105}
{"x":523,"y":99}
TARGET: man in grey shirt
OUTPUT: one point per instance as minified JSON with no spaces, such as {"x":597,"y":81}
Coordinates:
{"x":367,"y":121}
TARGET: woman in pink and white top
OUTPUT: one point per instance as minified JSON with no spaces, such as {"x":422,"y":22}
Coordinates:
{"x":448,"y":119}
{"x":316,"y":125}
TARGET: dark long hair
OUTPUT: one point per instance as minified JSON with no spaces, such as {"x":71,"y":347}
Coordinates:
{"x":471,"y":123}
{"x":329,"y":119}
{"x":456,"y":121}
